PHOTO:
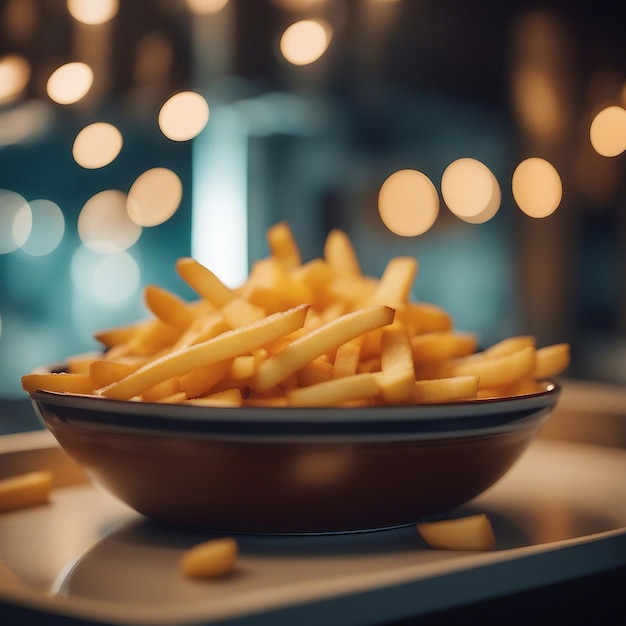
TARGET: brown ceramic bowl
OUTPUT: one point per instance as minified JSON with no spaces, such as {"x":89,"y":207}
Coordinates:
{"x":282,"y":470}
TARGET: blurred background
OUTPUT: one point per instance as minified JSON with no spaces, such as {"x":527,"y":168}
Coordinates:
{"x":485,"y":138}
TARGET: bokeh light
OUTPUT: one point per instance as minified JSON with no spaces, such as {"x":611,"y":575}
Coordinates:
{"x":97,"y":145}
{"x":14,"y":76}
{"x":470,"y":190}
{"x":46,"y":229}
{"x":537,"y":187}
{"x":13,"y":230}
{"x":408,"y":203}
{"x":70,"y":83}
{"x":206,"y":7}
{"x":104,"y":224}
{"x":154,"y":197}
{"x":305,"y":41}
{"x":93,"y":11}
{"x":608,"y":131}
{"x":109,"y":279}
{"x":25,"y":122}
{"x":183,"y":116}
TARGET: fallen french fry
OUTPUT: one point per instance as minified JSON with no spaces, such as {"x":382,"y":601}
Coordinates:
{"x":25,"y":490}
{"x":215,"y":558}
{"x":473,"y":532}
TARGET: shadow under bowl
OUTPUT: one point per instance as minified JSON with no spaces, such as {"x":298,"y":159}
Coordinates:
{"x":288,"y":470}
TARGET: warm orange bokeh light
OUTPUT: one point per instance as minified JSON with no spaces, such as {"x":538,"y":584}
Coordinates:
{"x":183,"y":116}
{"x":305,"y":41}
{"x":70,"y":83}
{"x":93,"y":11}
{"x":154,"y":197}
{"x":408,"y":203}
{"x":608,"y":131}
{"x":14,"y":76}
{"x":206,"y":7}
{"x":471,"y":190}
{"x":537,"y":187}
{"x":97,"y":145}
{"x":104,"y":225}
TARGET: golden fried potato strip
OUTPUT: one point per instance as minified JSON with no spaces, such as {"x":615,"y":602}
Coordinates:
{"x":225,"y":346}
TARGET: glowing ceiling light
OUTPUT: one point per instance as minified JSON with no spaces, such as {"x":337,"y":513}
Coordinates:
{"x":408,"y":203}
{"x":104,"y":225}
{"x":608,"y":131}
{"x":183,"y":116}
{"x":206,"y":7}
{"x":14,"y":76}
{"x":471,"y":190}
{"x":97,"y":145}
{"x":93,"y":11}
{"x":537,"y":187}
{"x":305,"y":41}
{"x":154,"y":197}
{"x":70,"y":83}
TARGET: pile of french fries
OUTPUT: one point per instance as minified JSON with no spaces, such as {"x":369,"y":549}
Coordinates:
{"x":316,"y":333}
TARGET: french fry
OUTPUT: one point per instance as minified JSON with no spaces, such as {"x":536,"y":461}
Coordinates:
{"x":225,"y":346}
{"x":201,"y":380}
{"x":395,"y":284}
{"x":202,"y":328}
{"x":25,"y":490}
{"x":397,"y":376}
{"x":498,"y":371}
{"x":103,"y":372}
{"x":439,"y":346}
{"x":449,"y":389}
{"x":335,"y":391}
{"x":319,"y":341}
{"x":473,"y":532}
{"x":347,"y":359}
{"x":423,"y":317}
{"x":215,"y":558}
{"x":551,"y":360}
{"x":168,"y":307}
{"x":208,"y":286}
{"x":317,"y":371}
{"x":340,"y":254}
{"x":283,"y":246}
{"x":228,"y":397}
{"x":61,"y":382}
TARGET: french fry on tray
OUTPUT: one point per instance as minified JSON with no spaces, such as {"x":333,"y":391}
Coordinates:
{"x":318,"y":332}
{"x":25,"y":490}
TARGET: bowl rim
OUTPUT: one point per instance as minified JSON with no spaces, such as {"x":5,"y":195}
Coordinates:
{"x":479,"y":416}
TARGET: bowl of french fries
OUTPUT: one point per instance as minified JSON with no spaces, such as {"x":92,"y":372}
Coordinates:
{"x":312,"y":398}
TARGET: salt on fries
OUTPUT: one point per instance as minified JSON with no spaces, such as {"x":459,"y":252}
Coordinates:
{"x":315,"y":333}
